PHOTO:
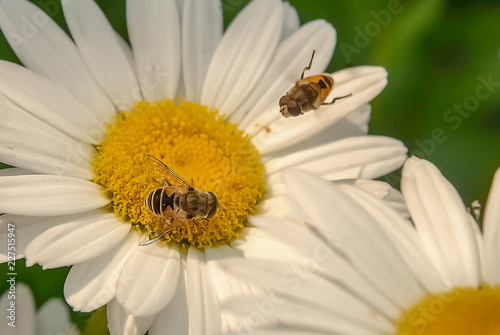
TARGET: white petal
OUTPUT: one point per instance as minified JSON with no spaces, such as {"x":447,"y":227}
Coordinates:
{"x":25,"y":229}
{"x":14,"y":172}
{"x":201,"y":33}
{"x":381,"y":190}
{"x":288,"y":331}
{"x":174,"y":319}
{"x":156,"y":46}
{"x":24,"y":313}
{"x":44,"y":47}
{"x":492,"y":233}
{"x":49,"y":195}
{"x":404,"y":237}
{"x":101,"y":50}
{"x":353,"y":124}
{"x":478,"y":234}
{"x":365,"y":83}
{"x":291,"y":57}
{"x":346,"y":224}
{"x":127,"y":51}
{"x":80,"y":238}
{"x":243,"y":55}
{"x":365,"y":157}
{"x":53,"y":318}
{"x":15,"y":154}
{"x":30,"y":143}
{"x":226,"y":285}
{"x":291,"y":21}
{"x":327,"y":260}
{"x":296,"y":316}
{"x":204,"y":310}
{"x":149,"y":280}
{"x":275,"y":206}
{"x":121,"y":323}
{"x":442,"y":222}
{"x":299,"y":283}
{"x":256,"y":243}
{"x":92,"y":284}
{"x":50,"y":102}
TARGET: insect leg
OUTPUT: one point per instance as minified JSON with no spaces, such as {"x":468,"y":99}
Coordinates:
{"x":309,"y":66}
{"x":147,"y":241}
{"x":335,"y":99}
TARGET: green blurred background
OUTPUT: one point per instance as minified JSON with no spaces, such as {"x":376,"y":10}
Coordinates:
{"x":438,"y":54}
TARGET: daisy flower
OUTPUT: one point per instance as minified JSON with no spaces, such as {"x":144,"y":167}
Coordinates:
{"x":51,"y":318}
{"x":81,"y":114}
{"x":364,"y":269}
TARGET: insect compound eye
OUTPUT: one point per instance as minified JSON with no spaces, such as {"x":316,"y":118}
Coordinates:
{"x":212,"y":201}
{"x":284,"y":100}
{"x":293,"y":108}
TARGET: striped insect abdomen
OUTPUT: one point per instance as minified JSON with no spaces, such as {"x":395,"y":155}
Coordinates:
{"x":160,"y":202}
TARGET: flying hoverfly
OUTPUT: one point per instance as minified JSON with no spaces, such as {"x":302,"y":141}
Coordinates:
{"x":308,"y":93}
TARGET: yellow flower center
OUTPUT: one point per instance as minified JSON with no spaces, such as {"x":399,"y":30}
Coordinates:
{"x":210,"y":154}
{"x":461,"y":311}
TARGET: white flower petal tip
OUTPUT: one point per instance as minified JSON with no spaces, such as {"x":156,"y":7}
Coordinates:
{"x":447,"y":235}
{"x":239,"y":62}
{"x":53,"y":318}
{"x":25,"y":310}
{"x":43,"y":47}
{"x":120,"y":322}
{"x":364,"y":83}
{"x":291,"y":21}
{"x":78,"y":239}
{"x":100,"y":48}
{"x":92,"y":284}
{"x":365,"y":157}
{"x":149,"y":280}
{"x":26,"y":228}
{"x":42,"y":195}
{"x":491,"y":224}
{"x":30,"y":143}
{"x":50,"y":102}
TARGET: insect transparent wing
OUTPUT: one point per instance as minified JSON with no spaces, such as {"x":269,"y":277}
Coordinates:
{"x":162,"y":173}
